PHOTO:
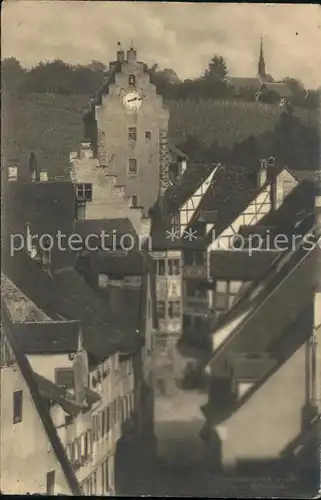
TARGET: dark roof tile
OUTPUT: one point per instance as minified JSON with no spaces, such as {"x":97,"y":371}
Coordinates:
{"x":47,"y":337}
{"x":239,"y":265}
{"x":58,"y":395}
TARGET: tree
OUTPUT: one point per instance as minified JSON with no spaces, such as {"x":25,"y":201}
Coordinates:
{"x":217,"y":69}
{"x":12,"y":74}
{"x":213,"y":83}
{"x":297,"y":89}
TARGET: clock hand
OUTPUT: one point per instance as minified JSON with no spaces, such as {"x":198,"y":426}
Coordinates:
{"x":135,"y":99}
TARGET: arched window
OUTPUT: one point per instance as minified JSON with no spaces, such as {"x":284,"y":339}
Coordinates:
{"x":132,"y":80}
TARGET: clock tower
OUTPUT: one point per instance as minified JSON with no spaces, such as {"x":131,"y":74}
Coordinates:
{"x":128,"y":127}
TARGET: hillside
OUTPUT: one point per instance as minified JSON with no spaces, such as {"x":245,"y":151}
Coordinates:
{"x":51,"y":125}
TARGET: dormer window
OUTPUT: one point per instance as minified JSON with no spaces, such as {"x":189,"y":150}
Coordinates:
{"x":132,"y":80}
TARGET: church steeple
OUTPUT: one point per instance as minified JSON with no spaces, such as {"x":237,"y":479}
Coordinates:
{"x":261,"y":64}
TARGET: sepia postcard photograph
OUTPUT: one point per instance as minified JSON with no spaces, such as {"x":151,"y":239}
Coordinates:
{"x":161,"y":249}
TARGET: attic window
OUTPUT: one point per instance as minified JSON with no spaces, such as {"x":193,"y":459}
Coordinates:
{"x":148,"y":135}
{"x":132,"y":80}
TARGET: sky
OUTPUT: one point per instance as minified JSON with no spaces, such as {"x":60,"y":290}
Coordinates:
{"x":181,"y":36}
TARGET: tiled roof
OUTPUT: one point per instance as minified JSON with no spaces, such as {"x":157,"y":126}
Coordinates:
{"x":123,"y":264}
{"x":48,"y":337}
{"x":239,"y":265}
{"x":278,"y":302}
{"x":52,"y":392}
{"x":176,"y":151}
{"x":42,"y":410}
{"x":67,"y":294}
{"x":297,"y":332}
{"x":297,"y":206}
{"x":184,"y":188}
{"x":251,"y":367}
{"x":39,"y":334}
{"x":280,"y":88}
{"x":239,"y":82}
{"x":112,"y":229}
{"x":132,"y":300}
{"x":49,"y":207}
{"x":104,"y":89}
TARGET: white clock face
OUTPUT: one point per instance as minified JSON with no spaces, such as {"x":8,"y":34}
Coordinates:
{"x":132,"y":100}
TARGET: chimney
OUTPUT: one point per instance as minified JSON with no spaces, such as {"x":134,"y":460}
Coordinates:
{"x":183,"y":166}
{"x":120,"y":53}
{"x":73,"y":156}
{"x":33,"y":167}
{"x":120,"y":56}
{"x":131,"y":55}
{"x":86,"y":151}
{"x":12,"y":173}
{"x":262,"y":175}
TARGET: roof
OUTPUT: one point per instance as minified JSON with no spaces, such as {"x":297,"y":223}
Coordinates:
{"x":49,"y":208}
{"x":129,"y":298}
{"x":110,"y":262}
{"x":292,"y":338}
{"x":41,"y":408}
{"x":34,"y":330}
{"x":67,"y":293}
{"x":282,"y":89}
{"x":239,"y":82}
{"x":176,"y":151}
{"x":115,"y":67}
{"x":239,"y":265}
{"x":253,"y":367}
{"x":58,"y":395}
{"x":295,"y":208}
{"x":111,"y":230}
{"x":48,"y":338}
{"x":264,"y":315}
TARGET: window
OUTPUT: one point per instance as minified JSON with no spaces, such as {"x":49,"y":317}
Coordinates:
{"x":174,"y":309}
{"x":94,"y":483}
{"x":132,"y":167}
{"x":148,"y":308}
{"x":85,"y":191}
{"x":132,"y":80}
{"x":161,"y":267}
{"x":103,"y":423}
{"x":161,"y":309}
{"x":173,"y":267}
{"x":132,"y":134}
{"x":148,"y":135}
{"x":103,"y":477}
{"x":86,"y":445}
{"x":17,"y":407}
{"x":50,"y":483}
{"x":134,"y":201}
{"x":176,"y":222}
